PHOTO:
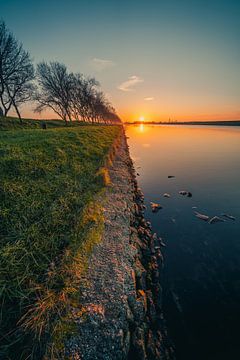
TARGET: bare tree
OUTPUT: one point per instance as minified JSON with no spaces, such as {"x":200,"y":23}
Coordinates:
{"x":16,"y":72}
{"x":100,"y":107}
{"x":55,"y":89}
{"x":82,"y":96}
{"x":71,"y":96}
{"x":112,"y":117}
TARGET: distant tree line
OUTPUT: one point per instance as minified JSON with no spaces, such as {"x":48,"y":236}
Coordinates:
{"x":72,"y":96}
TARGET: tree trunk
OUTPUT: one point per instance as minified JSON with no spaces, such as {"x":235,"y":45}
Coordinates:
{"x":17,"y":111}
{"x":69,"y":116}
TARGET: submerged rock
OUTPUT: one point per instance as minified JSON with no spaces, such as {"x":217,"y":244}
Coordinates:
{"x":167,"y":195}
{"x":229,"y":216}
{"x":202,"y":216}
{"x":215,"y":219}
{"x":155,"y":207}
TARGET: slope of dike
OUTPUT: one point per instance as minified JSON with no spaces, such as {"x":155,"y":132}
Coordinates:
{"x":121,"y":298}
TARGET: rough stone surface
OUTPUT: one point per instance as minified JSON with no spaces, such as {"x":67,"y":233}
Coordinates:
{"x":122,"y":298}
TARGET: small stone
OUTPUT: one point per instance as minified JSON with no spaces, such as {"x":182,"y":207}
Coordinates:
{"x":155,"y":207}
{"x":201,"y":216}
{"x":183,"y":192}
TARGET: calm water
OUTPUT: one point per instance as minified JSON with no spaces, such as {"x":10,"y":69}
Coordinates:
{"x":201,"y":277}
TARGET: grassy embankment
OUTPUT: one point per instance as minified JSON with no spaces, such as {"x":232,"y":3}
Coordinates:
{"x":12,"y":123}
{"x":49,"y":223}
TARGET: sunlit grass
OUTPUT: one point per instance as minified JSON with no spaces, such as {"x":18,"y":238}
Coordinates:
{"x":12,"y":123}
{"x":49,"y":224}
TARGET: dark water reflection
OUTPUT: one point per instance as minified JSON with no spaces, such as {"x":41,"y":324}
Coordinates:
{"x":202,"y":261}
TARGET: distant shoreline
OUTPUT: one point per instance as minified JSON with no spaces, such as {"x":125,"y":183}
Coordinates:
{"x":219,"y":123}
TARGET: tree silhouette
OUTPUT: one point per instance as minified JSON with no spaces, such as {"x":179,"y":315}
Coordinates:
{"x":72,"y":96}
{"x":54,"y":90}
{"x":16,"y":72}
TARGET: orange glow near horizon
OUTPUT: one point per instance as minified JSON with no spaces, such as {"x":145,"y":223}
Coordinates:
{"x":129,"y":117}
{"x":188,"y":134}
{"x":147,"y":114}
{"x":141,"y":128}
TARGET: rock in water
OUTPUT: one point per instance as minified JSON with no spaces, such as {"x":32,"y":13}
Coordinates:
{"x":215,"y":219}
{"x":155,"y":207}
{"x":171,"y":176}
{"x":167,"y":195}
{"x":183,"y":192}
{"x":202,"y":216}
{"x":229,"y":216}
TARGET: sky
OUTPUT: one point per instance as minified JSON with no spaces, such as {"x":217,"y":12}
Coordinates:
{"x":155,"y":59}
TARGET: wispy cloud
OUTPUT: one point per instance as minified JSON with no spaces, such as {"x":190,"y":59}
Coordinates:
{"x":149,"y":98}
{"x":130,"y":83}
{"x":102,"y":64}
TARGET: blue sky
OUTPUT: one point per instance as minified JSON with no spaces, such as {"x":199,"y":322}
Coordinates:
{"x":158,"y":59}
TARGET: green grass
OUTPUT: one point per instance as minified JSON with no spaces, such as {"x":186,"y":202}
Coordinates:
{"x":12,"y":123}
{"x":49,"y":223}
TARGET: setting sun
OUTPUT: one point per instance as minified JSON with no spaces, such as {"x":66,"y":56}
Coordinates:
{"x":141,"y":118}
